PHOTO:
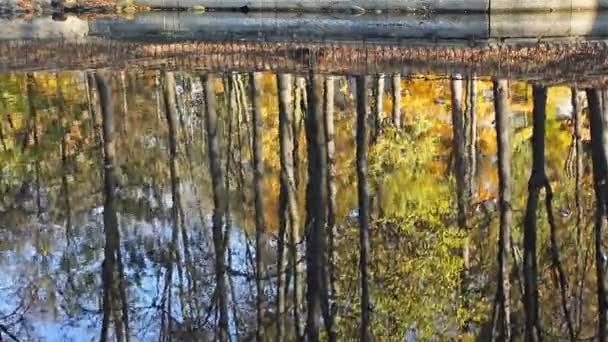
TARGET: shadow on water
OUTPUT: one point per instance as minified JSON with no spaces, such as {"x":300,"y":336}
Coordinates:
{"x":421,"y":185}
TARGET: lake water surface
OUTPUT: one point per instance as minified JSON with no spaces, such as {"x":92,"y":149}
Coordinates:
{"x":190,"y":177}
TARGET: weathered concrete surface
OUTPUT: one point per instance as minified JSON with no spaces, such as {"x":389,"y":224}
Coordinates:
{"x":460,"y":6}
{"x":285,"y":26}
{"x":318,"y":27}
{"x":328,"y":5}
{"x":43,"y":28}
{"x":541,"y":25}
{"x":291,"y":27}
{"x":546,"y":5}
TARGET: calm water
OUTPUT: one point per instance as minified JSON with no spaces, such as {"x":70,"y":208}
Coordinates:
{"x":196,"y":197}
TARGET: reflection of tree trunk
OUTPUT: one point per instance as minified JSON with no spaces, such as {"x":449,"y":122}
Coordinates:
{"x":258,"y":171}
{"x":33,"y":121}
{"x":379,"y":104}
{"x":168,"y":85}
{"x":93,"y":103}
{"x":32,"y":113}
{"x":471,"y":136}
{"x":173,"y":258}
{"x":300,"y":107}
{"x":599,"y":143}
{"x":89,"y":81}
{"x":297,"y":267}
{"x":233,"y":113}
{"x":284,"y":85}
{"x":108,"y":264}
{"x":578,"y":193}
{"x":157,"y":95}
{"x":177,"y":214}
{"x":66,"y":188}
{"x":236,"y":103}
{"x":288,"y":211}
{"x":219,"y":203}
{"x":165,"y":303}
{"x":125,"y":107}
{"x":316,"y":204}
{"x":242,"y":96}
{"x":459,"y":150}
{"x":363,"y":194}
{"x":330,"y":277}
{"x":460,"y":165}
{"x":37,"y":163}
{"x":578,"y":170}
{"x":502,"y":314}
{"x":558,"y":271}
{"x":2,"y":139}
{"x":2,"y":134}
{"x":243,"y":117}
{"x":397,"y":100}
{"x":64,"y":163}
{"x":114,"y":293}
{"x":184,"y":108}
{"x":537,"y":181}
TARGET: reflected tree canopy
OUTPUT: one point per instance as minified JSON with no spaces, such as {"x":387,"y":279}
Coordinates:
{"x":152,"y":204}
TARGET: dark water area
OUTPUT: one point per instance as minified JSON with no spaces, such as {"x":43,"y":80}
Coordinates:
{"x":171,"y":190}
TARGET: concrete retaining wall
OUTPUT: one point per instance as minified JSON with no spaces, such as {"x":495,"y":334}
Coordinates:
{"x":307,"y":27}
{"x":546,"y":5}
{"x":541,"y":25}
{"x":285,"y":26}
{"x":460,"y":6}
{"x":328,"y":5}
{"x":223,"y":26}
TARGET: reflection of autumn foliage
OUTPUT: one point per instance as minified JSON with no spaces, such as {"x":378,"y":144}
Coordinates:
{"x":414,"y":268}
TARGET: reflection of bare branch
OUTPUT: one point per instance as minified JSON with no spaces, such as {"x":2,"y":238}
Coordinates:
{"x":4,"y":329}
{"x":16,"y":318}
{"x":556,"y":337}
{"x":579,"y":295}
{"x":81,"y":307}
{"x":556,"y":263}
{"x":250,"y":276}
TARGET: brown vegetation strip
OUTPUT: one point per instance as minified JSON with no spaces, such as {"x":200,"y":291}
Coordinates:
{"x":563,"y":62}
